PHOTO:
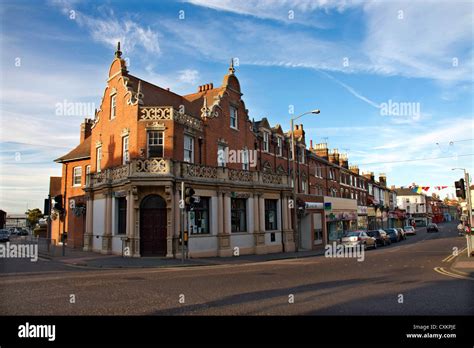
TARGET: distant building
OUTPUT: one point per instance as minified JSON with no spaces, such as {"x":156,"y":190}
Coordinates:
{"x":415,"y":205}
{"x":16,"y":220}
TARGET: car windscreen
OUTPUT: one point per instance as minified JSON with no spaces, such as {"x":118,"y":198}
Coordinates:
{"x":352,"y":234}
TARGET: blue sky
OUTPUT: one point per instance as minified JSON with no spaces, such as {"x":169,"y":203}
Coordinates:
{"x":344,"y":57}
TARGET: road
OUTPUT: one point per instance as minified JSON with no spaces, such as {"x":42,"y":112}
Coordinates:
{"x":399,"y":279}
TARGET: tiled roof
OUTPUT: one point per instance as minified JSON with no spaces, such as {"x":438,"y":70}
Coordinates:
{"x":82,"y":151}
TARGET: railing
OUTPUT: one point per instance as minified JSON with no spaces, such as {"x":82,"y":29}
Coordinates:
{"x":158,"y":167}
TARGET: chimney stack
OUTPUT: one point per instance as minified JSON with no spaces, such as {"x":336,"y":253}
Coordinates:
{"x":86,"y":129}
{"x":383,"y":179}
{"x":321,"y":150}
{"x":334,"y":156}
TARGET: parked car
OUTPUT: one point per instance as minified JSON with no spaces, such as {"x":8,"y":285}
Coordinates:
{"x":432,"y":228}
{"x":381,"y":237}
{"x":402,"y":233}
{"x":4,"y":236}
{"x":23,"y":232}
{"x":394,"y":230}
{"x":393,"y":234}
{"x":409,"y":230}
{"x":352,"y":239}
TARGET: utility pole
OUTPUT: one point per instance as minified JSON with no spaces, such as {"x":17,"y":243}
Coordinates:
{"x":469,"y":212}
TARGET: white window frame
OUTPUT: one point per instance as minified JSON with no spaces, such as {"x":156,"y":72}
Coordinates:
{"x":98,"y":159}
{"x":125,"y":152}
{"x":234,"y":116}
{"x":88,"y":171}
{"x":223,"y":163}
{"x":76,"y":175}
{"x":245,"y":159}
{"x":113,"y":106}
{"x":302,"y":154}
{"x":266,"y":142}
{"x":190,"y":151}
{"x":280,"y":146}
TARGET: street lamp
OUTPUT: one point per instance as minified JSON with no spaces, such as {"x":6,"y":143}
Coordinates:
{"x":469,"y":208}
{"x":293,"y":152}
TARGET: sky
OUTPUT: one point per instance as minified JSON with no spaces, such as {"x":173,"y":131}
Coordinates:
{"x":393,"y":79}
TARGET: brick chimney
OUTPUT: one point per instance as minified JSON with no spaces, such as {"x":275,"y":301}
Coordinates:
{"x":321,"y":150}
{"x":343,"y":160}
{"x":86,"y":129}
{"x":354,"y":169}
{"x":334,"y":156}
{"x":383,"y":179}
{"x":205,"y":87}
{"x":298,"y":131}
{"x":369,"y":176}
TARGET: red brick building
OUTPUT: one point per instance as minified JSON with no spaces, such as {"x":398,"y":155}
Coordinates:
{"x":145,"y":141}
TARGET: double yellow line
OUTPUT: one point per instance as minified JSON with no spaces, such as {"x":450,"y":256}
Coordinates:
{"x":452,"y":256}
{"x":458,"y":274}
{"x":442,"y":271}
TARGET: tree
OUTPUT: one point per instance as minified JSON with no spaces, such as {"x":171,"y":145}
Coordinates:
{"x":33,"y":216}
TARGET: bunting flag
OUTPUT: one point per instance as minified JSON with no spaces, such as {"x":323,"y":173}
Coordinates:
{"x":419,"y":189}
{"x":426,"y":188}
{"x":416,"y":189}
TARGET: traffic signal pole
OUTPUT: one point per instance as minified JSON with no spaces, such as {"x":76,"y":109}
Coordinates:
{"x":183,"y":219}
{"x":469,"y":213}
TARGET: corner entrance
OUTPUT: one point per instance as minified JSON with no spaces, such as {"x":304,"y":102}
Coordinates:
{"x":153,"y":221}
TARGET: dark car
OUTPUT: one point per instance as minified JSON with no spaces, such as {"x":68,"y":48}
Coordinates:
{"x":432,"y":228}
{"x":393,"y":234}
{"x":4,"y":236}
{"x":381,"y":237}
{"x":23,"y":232}
{"x":394,"y":230}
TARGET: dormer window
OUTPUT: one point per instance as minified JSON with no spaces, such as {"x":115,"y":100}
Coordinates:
{"x":279,"y":150}
{"x":233,"y":117}
{"x":113,"y":106}
{"x":266,"y":141}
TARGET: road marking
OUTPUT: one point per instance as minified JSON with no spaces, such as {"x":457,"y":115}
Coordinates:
{"x":452,"y":256}
{"x":442,"y":271}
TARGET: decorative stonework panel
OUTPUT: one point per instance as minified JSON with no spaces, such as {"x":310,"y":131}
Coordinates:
{"x":119,"y":173}
{"x":152,"y":166}
{"x":156,"y":113}
{"x":272,"y":179}
{"x":199,"y":171}
{"x":240,"y":175}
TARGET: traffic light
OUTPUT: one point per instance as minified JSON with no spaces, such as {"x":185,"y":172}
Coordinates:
{"x":460,"y":188}
{"x":58,"y":203}
{"x":47,"y":205}
{"x":188,"y":197}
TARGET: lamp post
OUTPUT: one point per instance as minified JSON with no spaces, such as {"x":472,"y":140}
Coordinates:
{"x":469,"y":209}
{"x":293,"y":152}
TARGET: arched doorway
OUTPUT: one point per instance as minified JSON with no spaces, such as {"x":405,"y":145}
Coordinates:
{"x":153,"y":223}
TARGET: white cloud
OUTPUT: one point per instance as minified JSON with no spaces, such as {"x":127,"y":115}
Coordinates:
{"x":109,"y":29}
{"x":189,"y":76}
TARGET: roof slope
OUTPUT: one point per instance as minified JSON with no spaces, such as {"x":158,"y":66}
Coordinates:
{"x":82,"y":151}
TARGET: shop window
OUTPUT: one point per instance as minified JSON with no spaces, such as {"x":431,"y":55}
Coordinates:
{"x":198,"y":218}
{"x":238,"y":214}
{"x":271,"y":214}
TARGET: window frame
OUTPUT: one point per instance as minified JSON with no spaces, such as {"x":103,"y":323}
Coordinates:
{"x":98,"y":159}
{"x":279,"y":147}
{"x":113,"y":106}
{"x":162,"y":133}
{"x":88,"y":171}
{"x":125,"y":149}
{"x":74,"y":176}
{"x":241,"y":217}
{"x":190,"y":151}
{"x":234,"y":115}
{"x":267,"y":214}
{"x":198,"y":208}
{"x":266,"y":141}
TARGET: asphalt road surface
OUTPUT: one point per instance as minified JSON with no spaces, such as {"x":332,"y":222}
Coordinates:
{"x":399,"y":279}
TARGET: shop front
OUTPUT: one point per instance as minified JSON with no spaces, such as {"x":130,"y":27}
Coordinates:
{"x":362,"y":218}
{"x":341,"y":217}
{"x":396,"y":218}
{"x":313,"y":231}
{"x":371,"y":222}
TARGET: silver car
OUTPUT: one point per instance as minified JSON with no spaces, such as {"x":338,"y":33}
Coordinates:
{"x":409,"y":230}
{"x":352,"y":239}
